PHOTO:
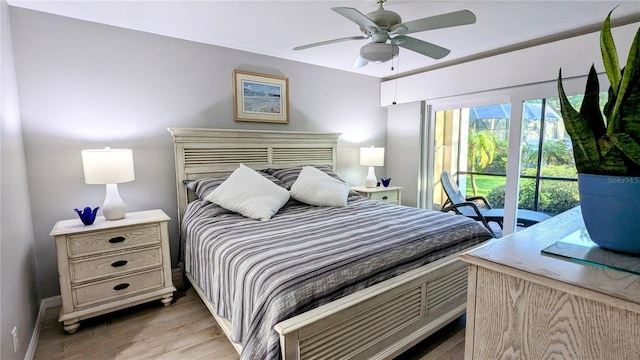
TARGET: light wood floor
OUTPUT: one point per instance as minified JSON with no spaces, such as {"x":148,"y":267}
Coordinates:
{"x":183,"y":330}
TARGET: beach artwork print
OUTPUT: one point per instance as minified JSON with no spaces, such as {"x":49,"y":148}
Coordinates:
{"x":261,"y":98}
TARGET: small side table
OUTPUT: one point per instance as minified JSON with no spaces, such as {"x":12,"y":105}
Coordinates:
{"x":391,"y":194}
{"x":111,"y":265}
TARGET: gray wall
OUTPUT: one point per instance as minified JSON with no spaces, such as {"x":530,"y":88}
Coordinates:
{"x":18,"y":296}
{"x":403,"y":130}
{"x":85,"y":85}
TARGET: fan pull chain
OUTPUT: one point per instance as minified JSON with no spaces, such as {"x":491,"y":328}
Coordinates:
{"x":391,"y":47}
{"x":395,"y":91}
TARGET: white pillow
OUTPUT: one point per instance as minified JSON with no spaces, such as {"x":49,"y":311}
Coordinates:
{"x":314,"y":187}
{"x":250,"y":194}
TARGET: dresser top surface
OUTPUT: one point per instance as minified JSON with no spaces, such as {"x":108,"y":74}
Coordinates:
{"x":375,"y":189}
{"x":522,"y":251}
{"x":72,"y":226}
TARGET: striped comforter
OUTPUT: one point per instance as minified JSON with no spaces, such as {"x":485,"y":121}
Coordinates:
{"x":258,"y":273}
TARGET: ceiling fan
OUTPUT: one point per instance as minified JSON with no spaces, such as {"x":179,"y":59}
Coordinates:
{"x":387,"y":32}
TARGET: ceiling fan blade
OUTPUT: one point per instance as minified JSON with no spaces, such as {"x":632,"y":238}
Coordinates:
{"x":330,"y":42}
{"x":456,"y":18}
{"x":422,"y":47}
{"x":357,"y":17}
{"x":360,"y":62}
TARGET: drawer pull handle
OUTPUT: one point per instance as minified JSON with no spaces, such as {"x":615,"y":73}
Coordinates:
{"x":121,"y":286}
{"x":119,"y":263}
{"x":117,"y":239}
{"x":384,"y":198}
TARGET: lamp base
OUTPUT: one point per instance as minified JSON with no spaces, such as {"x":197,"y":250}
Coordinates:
{"x":371,"y":181}
{"x":113,"y":207}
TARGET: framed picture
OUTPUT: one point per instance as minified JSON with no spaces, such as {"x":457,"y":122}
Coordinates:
{"x":261,"y":98}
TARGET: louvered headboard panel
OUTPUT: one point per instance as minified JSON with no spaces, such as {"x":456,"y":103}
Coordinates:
{"x":216,"y":152}
{"x":206,"y":156}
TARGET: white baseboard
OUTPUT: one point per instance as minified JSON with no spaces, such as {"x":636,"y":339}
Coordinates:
{"x":45,"y":304}
{"x":51,"y":302}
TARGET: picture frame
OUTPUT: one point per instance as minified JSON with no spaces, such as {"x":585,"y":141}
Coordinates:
{"x":260,"y":97}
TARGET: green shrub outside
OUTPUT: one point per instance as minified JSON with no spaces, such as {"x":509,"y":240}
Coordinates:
{"x":556,"y":196}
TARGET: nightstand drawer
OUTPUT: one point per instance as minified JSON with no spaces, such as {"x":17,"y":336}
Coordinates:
{"x":121,"y":287}
{"x":388,"y":196}
{"x":101,"y":241}
{"x":94,"y":268}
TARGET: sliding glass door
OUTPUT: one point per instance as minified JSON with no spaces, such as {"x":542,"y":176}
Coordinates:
{"x":472,"y":144}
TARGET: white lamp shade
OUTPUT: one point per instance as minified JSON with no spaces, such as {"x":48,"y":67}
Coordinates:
{"x":372,"y":156}
{"x":107,"y":166}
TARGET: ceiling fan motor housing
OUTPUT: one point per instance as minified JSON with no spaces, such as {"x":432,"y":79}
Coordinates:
{"x":379,"y":52}
{"x":385,"y":19}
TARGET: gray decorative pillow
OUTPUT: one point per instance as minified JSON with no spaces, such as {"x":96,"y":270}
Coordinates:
{"x":289,"y":175}
{"x":203,"y":186}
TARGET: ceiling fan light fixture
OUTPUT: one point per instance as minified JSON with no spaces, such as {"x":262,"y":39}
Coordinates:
{"x":379,"y":52}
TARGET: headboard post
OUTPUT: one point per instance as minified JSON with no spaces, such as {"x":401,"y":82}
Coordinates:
{"x":218,"y":152}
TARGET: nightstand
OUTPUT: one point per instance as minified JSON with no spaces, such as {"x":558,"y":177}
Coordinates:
{"x":391,"y":194}
{"x":111,"y":265}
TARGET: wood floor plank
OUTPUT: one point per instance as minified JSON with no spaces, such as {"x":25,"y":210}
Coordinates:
{"x":214,"y":348}
{"x":166,"y":343}
{"x":449,"y":349}
{"x":182,"y":331}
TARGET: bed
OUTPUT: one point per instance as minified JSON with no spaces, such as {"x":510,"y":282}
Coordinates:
{"x":408,"y":291}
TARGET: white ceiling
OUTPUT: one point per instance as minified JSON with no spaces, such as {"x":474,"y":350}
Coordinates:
{"x":275,"y":27}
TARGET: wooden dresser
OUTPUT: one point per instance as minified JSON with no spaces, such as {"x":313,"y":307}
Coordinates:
{"x":110,"y":265}
{"x":524,"y":305}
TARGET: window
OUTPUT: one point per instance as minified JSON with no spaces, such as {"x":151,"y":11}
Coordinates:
{"x":548,"y":177}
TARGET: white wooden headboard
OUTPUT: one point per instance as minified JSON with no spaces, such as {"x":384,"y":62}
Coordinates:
{"x":217,"y":152}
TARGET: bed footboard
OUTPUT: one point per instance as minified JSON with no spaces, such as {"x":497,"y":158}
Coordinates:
{"x":381,"y":321}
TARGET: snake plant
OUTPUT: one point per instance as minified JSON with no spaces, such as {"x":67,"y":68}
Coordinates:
{"x":610,"y":147}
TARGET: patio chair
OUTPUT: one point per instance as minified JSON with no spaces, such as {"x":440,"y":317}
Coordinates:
{"x":479,"y":209}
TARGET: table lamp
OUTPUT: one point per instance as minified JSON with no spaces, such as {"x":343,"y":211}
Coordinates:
{"x":371,"y":156}
{"x":110,"y":167}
